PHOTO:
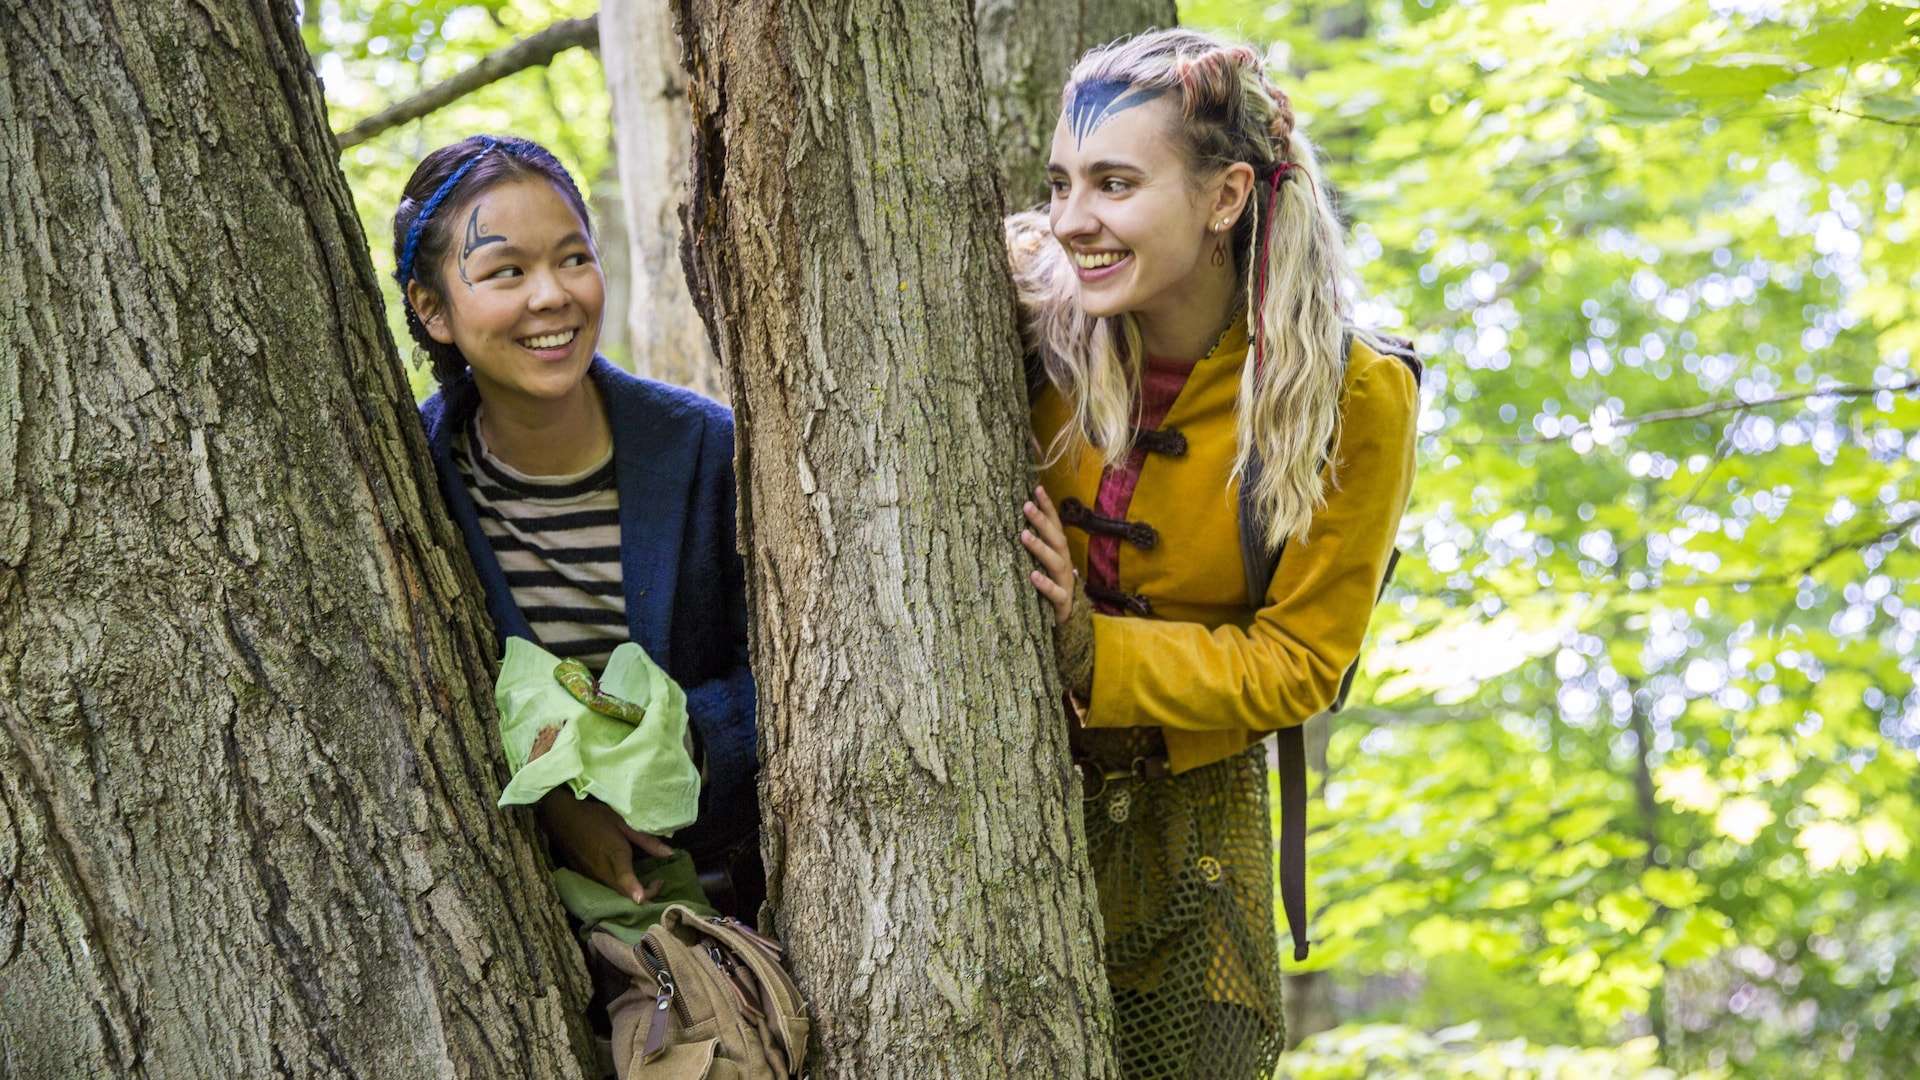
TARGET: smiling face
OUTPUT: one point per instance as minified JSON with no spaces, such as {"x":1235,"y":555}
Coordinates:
{"x":522,"y":296}
{"x":1139,"y":228}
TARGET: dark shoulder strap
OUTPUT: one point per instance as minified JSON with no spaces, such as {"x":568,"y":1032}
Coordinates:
{"x":1399,"y":348}
{"x":1292,"y":747}
{"x":1260,"y":564}
{"x":1257,"y":561}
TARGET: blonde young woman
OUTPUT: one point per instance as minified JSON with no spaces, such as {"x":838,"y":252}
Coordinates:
{"x":1197,"y":385}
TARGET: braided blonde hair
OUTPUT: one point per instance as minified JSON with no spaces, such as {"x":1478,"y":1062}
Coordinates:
{"x":1289,"y":404}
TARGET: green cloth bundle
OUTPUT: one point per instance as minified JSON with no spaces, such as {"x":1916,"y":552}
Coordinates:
{"x":600,"y":908}
{"x":622,"y":742}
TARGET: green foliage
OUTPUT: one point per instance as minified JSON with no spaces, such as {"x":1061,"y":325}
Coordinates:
{"x":1641,"y":721}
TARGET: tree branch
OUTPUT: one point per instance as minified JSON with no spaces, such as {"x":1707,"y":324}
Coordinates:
{"x":1693,"y":412}
{"x":534,"y":51}
{"x":1862,"y":116}
{"x":1892,"y":529}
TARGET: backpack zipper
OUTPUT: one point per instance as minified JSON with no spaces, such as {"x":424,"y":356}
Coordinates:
{"x":767,"y":945}
{"x":669,"y":998}
{"x":669,"y":992}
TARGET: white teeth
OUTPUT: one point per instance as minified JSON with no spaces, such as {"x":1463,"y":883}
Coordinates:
{"x":1099,"y":259}
{"x":548,"y":341}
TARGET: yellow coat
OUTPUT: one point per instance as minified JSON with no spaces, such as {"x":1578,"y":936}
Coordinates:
{"x":1214,"y":674}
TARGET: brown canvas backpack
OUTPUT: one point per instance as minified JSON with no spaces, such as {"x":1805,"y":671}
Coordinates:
{"x":709,"y":999}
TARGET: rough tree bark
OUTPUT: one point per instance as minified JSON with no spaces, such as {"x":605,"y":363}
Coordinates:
{"x":652,"y":135}
{"x":247,"y":761}
{"x":1026,"y":49}
{"x":924,"y":842}
{"x":610,"y":227}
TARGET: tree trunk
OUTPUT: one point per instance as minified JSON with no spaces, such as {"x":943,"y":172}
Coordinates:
{"x":1026,"y":49}
{"x":608,"y":204}
{"x":1649,"y":804}
{"x":652,"y":136}
{"x":925,"y":852}
{"x":248,"y":771}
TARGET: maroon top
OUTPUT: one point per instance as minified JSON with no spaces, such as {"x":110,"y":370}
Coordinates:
{"x":1160,"y":385}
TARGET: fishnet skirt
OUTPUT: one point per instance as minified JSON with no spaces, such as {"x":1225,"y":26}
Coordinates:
{"x":1184,"y":867}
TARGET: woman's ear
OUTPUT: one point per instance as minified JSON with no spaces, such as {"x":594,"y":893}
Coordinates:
{"x":1230,"y":193}
{"x":433,"y":316}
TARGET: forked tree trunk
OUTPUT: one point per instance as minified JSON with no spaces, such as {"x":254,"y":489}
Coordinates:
{"x":924,"y":840}
{"x":247,"y":759}
{"x":652,"y":135}
{"x":1026,"y":49}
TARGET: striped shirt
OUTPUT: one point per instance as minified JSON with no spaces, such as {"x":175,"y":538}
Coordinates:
{"x":558,"y":541}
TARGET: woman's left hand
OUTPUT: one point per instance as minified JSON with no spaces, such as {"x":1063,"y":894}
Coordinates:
{"x":1047,"y":540}
{"x":593,"y":840}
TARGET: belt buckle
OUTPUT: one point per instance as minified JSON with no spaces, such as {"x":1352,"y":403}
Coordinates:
{"x":1091,"y":771}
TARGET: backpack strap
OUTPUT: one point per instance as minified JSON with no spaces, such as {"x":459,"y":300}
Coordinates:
{"x":1260,"y":565}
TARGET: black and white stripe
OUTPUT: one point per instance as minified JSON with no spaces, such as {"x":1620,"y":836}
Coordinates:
{"x":558,"y":540}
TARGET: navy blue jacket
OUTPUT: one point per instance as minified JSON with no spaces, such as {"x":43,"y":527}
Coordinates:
{"x":684,"y":582}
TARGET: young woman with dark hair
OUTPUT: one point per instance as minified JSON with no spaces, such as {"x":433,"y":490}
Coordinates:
{"x":1226,"y":464}
{"x":598,"y":508}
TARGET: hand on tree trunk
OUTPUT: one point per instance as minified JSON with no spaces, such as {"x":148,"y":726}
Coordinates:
{"x":1047,"y":540}
{"x":1072,"y":611}
{"x":594,"y":841}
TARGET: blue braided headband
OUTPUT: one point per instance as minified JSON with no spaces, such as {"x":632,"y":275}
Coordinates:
{"x":404,"y":273}
{"x":517,"y":147}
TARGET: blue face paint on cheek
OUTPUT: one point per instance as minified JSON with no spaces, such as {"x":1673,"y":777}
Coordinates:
{"x":1099,"y":100}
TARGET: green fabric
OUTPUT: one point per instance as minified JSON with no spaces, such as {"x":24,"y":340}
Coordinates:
{"x":622,"y":741}
{"x":598,"y":907}
{"x":642,"y":770}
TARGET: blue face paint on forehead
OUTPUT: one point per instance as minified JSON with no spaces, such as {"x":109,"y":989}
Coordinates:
{"x":477,"y":238}
{"x":1099,"y":100}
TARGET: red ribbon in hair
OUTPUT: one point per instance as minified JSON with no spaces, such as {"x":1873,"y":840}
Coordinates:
{"x":1275,"y":171}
